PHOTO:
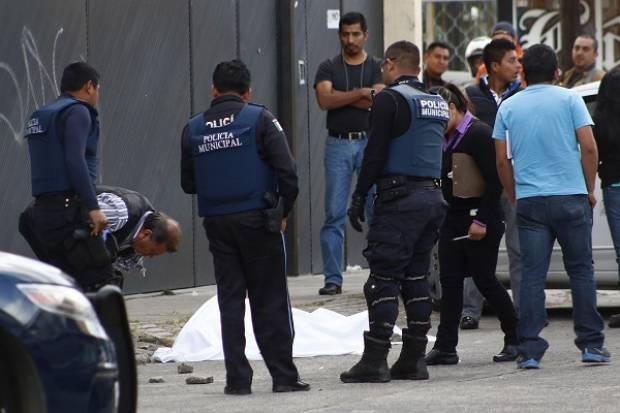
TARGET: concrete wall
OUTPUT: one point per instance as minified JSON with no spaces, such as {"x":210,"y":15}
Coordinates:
{"x":156,"y":58}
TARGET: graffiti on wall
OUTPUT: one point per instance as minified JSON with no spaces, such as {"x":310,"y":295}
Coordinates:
{"x":40,"y":86}
{"x":544,"y":26}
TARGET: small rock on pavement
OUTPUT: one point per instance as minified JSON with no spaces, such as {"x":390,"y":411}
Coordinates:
{"x":156,"y":380}
{"x":147,"y":338}
{"x":199,"y":380}
{"x":185,"y":368}
{"x":142,"y":358}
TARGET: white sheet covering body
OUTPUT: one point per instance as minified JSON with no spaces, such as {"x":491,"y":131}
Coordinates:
{"x":319,"y":333}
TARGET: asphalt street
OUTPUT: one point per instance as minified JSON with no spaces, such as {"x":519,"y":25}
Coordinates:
{"x":476,"y":384}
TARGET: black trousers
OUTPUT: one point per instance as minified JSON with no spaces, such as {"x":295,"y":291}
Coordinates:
{"x":400,"y":240}
{"x":48,"y":225}
{"x":250,"y":261}
{"x":476,"y":259}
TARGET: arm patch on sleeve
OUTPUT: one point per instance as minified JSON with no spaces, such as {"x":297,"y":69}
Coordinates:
{"x":277,"y":125}
{"x":433,"y":108}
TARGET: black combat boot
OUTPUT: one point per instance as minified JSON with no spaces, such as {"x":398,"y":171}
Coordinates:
{"x":411,"y":364}
{"x":372,"y":368}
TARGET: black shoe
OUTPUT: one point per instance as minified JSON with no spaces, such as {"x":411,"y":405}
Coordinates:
{"x":435,"y":357}
{"x":614,"y":321}
{"x":330,"y":289}
{"x":508,"y":353}
{"x":469,"y":323}
{"x":372,"y":368}
{"x":295,"y":386}
{"x":237,"y":391}
{"x":411,"y":364}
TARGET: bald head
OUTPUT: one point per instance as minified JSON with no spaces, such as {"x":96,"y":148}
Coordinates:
{"x":173,"y":230}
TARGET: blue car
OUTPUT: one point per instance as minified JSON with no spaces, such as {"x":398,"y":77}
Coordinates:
{"x":61,"y":351}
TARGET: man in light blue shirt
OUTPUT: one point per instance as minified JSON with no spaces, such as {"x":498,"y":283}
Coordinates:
{"x":547,"y":132}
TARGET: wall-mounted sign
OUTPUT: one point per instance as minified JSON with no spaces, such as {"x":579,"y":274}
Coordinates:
{"x":333,"y":18}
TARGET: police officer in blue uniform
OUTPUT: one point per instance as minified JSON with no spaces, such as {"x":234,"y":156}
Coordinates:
{"x":403,"y":158}
{"x":62,"y":141}
{"x":236,"y":159}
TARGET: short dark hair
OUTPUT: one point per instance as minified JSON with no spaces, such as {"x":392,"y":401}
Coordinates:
{"x":435,"y":45}
{"x":589,"y":36}
{"x":452,"y":94}
{"x":76,"y":75}
{"x":495,"y":51}
{"x":539,"y":64}
{"x":353,"y":17}
{"x":232,"y":76}
{"x":159,"y":224}
{"x":404,"y":53}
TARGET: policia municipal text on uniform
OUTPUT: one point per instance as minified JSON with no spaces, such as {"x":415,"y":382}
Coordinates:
{"x":236,"y":159}
{"x":403,"y":157}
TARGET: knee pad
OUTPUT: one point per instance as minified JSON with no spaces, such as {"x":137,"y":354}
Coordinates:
{"x":381,"y":295}
{"x":417,"y":302}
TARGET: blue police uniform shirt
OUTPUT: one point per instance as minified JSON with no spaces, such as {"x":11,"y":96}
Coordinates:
{"x":418,"y":152}
{"x":229,"y":173}
{"x":539,"y":125}
{"x":57,"y":161}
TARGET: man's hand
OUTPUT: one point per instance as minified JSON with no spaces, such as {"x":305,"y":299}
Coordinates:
{"x":98,"y":221}
{"x":592,"y":199}
{"x":366,"y":93}
{"x":356,"y":211}
{"x":476,"y":231}
{"x":283,"y":225}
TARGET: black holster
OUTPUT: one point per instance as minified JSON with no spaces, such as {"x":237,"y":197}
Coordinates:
{"x":275,"y":213}
{"x":389,"y":189}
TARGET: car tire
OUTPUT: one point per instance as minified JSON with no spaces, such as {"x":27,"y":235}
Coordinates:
{"x":7,"y":399}
{"x":21,"y":390}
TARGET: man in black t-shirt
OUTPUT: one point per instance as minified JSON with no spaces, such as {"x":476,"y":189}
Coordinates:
{"x":344,"y":88}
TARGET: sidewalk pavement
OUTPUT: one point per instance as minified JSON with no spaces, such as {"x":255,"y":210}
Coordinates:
{"x":156,"y":319}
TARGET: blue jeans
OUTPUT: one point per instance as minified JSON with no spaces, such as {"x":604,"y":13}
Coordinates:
{"x":542,"y":220}
{"x":342,"y":158}
{"x":611,"y":199}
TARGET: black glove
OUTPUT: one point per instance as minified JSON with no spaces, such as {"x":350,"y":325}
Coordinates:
{"x":356,"y":211}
